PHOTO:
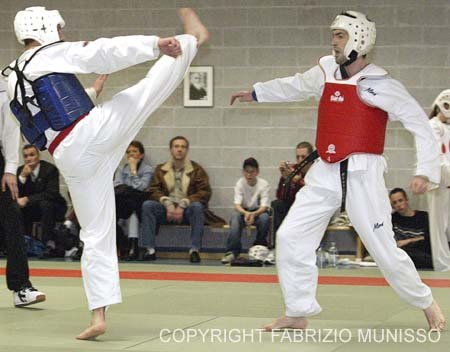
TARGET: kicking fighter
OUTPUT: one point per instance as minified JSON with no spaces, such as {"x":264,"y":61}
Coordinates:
{"x":87,"y":142}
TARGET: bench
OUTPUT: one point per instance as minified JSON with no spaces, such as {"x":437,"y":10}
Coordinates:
{"x":174,"y":241}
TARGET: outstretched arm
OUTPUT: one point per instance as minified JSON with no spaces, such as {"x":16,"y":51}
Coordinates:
{"x":101,"y":56}
{"x":242,"y":96}
{"x":299,"y":87}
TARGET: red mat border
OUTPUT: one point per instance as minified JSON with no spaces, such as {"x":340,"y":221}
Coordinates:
{"x":221,"y":277}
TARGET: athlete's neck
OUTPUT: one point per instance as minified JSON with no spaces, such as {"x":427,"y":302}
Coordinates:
{"x":356,"y":66}
{"x":32,"y":45}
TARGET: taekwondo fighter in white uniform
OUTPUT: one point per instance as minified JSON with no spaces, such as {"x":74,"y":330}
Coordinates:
{"x":356,"y":101}
{"x":87,"y":141}
{"x":439,"y":197}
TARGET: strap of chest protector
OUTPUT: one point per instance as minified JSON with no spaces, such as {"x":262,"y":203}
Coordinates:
{"x":21,"y":85}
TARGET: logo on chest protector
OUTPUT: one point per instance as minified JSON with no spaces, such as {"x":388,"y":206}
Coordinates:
{"x":377,"y":225}
{"x":331,"y":149}
{"x":337,"y":97}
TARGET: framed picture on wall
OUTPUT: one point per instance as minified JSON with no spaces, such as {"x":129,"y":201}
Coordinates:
{"x":198,"y":87}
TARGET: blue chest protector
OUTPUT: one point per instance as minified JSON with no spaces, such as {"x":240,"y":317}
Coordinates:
{"x":60,"y":97}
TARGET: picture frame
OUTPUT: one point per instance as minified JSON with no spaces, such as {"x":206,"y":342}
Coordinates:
{"x":198,"y":87}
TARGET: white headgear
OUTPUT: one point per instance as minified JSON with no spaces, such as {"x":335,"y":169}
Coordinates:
{"x":39,"y":24}
{"x":361,"y":32}
{"x":442,"y":99}
{"x":258,"y":252}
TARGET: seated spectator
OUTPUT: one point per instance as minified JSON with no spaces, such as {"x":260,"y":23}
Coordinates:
{"x":130,"y":185}
{"x":411,"y":229}
{"x":179,"y":194}
{"x":251,"y":206}
{"x":39,"y":196}
{"x":285,"y":197}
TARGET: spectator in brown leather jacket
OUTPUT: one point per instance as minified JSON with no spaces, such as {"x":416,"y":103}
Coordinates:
{"x":179,"y":194}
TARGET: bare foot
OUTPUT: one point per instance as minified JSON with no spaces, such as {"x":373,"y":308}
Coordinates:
{"x":98,"y":325}
{"x":193,"y":25}
{"x":435,"y":318}
{"x":92,"y":332}
{"x":287,"y":323}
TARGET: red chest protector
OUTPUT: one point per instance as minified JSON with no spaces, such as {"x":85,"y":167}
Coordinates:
{"x":346,"y":125}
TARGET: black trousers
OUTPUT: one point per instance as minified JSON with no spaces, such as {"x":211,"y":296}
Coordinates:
{"x":280,"y":209}
{"x":420,"y":253}
{"x":17,"y":273}
{"x":47,"y":212}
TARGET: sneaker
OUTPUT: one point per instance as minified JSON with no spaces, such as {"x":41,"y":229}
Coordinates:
{"x":194,"y":257}
{"x":28,"y":296}
{"x":71,"y":252}
{"x":46,"y":254}
{"x":149,"y":254}
{"x":228,"y":257}
{"x":270,"y":259}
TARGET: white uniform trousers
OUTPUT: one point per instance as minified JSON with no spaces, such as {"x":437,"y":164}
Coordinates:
{"x":439,"y":216}
{"x":369,"y":211}
{"x":89,"y":156}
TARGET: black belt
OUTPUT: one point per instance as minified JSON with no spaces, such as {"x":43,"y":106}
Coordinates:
{"x":308,"y":160}
{"x":305,"y":162}
{"x":2,"y":163}
{"x":344,"y":172}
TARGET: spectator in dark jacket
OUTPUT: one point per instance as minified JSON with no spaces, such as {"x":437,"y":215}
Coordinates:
{"x":39,"y":196}
{"x":411,"y":228}
{"x":286,"y":193}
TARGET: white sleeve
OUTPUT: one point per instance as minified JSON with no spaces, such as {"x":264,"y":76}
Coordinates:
{"x":102,"y":56}
{"x":238,"y":195}
{"x":265,"y":195}
{"x":299,"y":87}
{"x":391,"y":96}
{"x":439,"y":132}
{"x":10,"y":138}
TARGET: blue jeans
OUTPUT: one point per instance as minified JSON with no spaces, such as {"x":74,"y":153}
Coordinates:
{"x":237,"y":223}
{"x":154,"y":214}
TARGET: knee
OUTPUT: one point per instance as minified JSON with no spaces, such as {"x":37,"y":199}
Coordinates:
{"x":46,"y":206}
{"x":149,"y":206}
{"x":187,"y":41}
{"x":235,"y":217}
{"x":276,"y":204}
{"x":264,"y":217}
{"x":196,"y":207}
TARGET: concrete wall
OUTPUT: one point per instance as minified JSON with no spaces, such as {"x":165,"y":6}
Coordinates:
{"x":256,"y":40}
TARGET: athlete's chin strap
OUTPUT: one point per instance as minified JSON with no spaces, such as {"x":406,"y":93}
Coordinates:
{"x":351,"y":58}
